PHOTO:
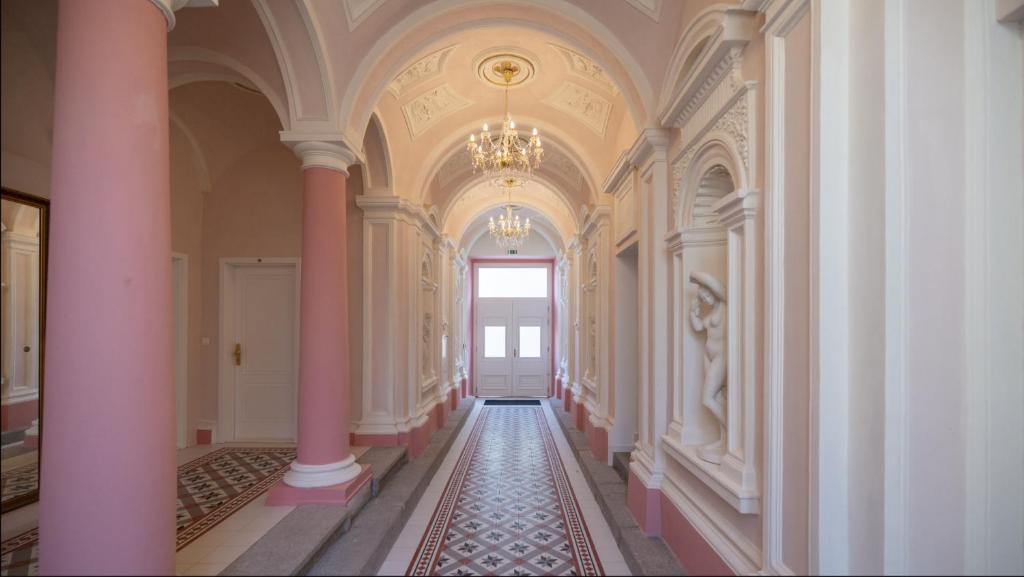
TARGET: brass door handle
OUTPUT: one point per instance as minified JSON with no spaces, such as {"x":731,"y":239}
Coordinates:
{"x":238,"y":354}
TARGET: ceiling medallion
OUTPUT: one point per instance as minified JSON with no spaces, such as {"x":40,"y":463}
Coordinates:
{"x":507,"y":158}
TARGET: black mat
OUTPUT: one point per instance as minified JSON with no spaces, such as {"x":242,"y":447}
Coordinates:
{"x":511,"y":402}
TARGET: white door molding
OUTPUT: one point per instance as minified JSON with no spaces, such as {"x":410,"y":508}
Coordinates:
{"x":226,"y":307}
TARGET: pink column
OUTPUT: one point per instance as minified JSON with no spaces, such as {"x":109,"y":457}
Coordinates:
{"x":325,"y":471}
{"x":108,"y":461}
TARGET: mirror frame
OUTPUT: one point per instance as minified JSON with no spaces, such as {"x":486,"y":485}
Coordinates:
{"x":44,"y":252}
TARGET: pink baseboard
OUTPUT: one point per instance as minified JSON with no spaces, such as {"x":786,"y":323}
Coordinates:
{"x":581,"y":417}
{"x":420,"y":436}
{"x":465,"y":388}
{"x":558,"y":388}
{"x":204,"y":436}
{"x":658,"y":517}
{"x":31,"y":442}
{"x":568,"y":401}
{"x":18,"y":415}
{"x":694,"y":553}
{"x":285,"y":495}
{"x":597,"y":439}
{"x":454,"y":400}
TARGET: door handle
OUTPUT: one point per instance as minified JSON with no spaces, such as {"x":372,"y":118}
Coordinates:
{"x":238,"y":354}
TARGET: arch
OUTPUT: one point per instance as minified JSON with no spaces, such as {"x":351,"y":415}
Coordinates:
{"x":540,"y":224}
{"x":296,"y":38}
{"x":694,"y":192}
{"x":454,"y":142}
{"x":388,"y":56}
{"x":377,"y":169}
{"x":550,"y":201}
{"x":220,"y":67}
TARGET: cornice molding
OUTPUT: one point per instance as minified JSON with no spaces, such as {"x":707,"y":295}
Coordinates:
{"x":652,"y":142}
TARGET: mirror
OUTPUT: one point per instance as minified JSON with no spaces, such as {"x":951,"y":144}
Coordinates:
{"x":22,"y":322}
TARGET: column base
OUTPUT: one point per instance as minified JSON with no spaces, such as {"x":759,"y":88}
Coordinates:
{"x":283,"y":494}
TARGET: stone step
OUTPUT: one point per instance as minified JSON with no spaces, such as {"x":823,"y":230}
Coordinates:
{"x":301,"y":541}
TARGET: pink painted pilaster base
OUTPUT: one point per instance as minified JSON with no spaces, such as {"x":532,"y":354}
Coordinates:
{"x":568,"y":401}
{"x":420,"y":437}
{"x":31,"y":442}
{"x":645,"y":504}
{"x":18,"y":415}
{"x":558,"y":388}
{"x":454,"y":399}
{"x":581,"y":417}
{"x":285,"y":495}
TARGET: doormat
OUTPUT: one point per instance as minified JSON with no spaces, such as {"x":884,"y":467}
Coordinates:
{"x":511,"y":403}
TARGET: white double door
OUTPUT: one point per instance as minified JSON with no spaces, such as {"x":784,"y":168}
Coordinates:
{"x":513,"y":347}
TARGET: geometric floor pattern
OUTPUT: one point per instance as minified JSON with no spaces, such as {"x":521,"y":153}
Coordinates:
{"x":210,"y":489}
{"x":508,"y":507}
{"x":19,"y":481}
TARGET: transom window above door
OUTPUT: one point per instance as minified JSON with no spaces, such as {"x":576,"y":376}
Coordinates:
{"x":512,"y":282}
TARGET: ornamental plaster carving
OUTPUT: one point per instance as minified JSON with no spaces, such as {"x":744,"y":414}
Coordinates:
{"x":584,"y":67}
{"x":582,"y":104}
{"x":428,"y":321}
{"x":429,"y":108}
{"x":430,"y":66}
{"x":733,"y":126}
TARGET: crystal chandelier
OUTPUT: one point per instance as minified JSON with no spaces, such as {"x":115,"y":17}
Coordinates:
{"x":509,"y":232}
{"x":507,"y":158}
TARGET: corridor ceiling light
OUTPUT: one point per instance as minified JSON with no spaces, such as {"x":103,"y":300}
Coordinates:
{"x":507,"y":158}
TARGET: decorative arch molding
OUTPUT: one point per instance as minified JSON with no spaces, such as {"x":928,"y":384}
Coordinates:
{"x":295,"y":36}
{"x":722,"y":131}
{"x":707,"y":52}
{"x":388,"y":57}
{"x":221,"y":67}
{"x":553,"y":138}
{"x":692,"y":198}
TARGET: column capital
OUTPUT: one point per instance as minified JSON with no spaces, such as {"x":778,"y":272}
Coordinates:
{"x":331,"y":151}
{"x":169,"y":7}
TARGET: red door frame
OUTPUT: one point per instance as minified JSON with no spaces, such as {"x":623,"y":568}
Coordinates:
{"x":524,"y":260}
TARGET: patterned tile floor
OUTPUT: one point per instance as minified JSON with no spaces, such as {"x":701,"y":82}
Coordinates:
{"x":221,"y":509}
{"x":508,"y":500}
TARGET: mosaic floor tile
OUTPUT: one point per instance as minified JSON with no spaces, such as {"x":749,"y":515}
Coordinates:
{"x":210,"y":489}
{"x":508,"y":507}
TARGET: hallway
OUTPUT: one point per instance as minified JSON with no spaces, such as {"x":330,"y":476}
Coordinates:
{"x":509,"y":499}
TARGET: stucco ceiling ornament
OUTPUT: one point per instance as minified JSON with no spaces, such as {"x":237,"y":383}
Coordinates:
{"x":428,"y":108}
{"x":430,"y":66}
{"x":507,"y":158}
{"x":584,"y":67}
{"x":583,"y":104}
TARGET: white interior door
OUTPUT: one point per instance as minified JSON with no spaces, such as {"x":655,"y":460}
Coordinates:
{"x":531,"y":350}
{"x":263,"y":352}
{"x":512,"y":331}
{"x":494,"y":348}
